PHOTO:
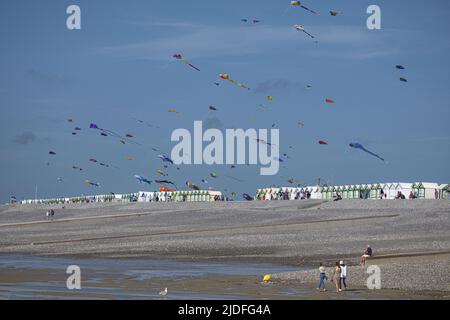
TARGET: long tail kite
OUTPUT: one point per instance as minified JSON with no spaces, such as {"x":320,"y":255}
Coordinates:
{"x":357,"y":145}
{"x":300,"y":27}
{"x":180,"y":57}
{"x":225,"y":76}
{"x":298,"y":3}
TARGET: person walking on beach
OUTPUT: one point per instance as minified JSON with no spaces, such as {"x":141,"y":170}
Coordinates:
{"x":335,"y":276}
{"x":343,"y":275}
{"x":323,"y":278}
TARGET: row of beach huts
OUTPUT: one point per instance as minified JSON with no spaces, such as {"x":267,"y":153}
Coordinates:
{"x":141,"y":196}
{"x":393,"y":190}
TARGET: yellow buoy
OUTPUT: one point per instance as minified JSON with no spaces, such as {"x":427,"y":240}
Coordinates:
{"x":267,"y":277}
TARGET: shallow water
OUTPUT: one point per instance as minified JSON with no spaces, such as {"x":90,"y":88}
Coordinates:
{"x":45,"y":278}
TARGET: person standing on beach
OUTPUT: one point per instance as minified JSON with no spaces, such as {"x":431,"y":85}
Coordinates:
{"x":343,"y":275}
{"x":323,"y":278}
{"x":335,"y":276}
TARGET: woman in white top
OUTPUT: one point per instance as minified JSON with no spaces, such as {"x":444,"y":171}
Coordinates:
{"x":343,"y":275}
{"x":323,"y":278}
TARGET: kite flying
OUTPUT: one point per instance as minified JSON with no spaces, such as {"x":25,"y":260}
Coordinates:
{"x":236,"y":179}
{"x":334,"y":13}
{"x":105,"y":132}
{"x":165,"y":182}
{"x":253,"y":21}
{"x":225,"y":76}
{"x":403,"y":79}
{"x":328,"y":100}
{"x":263,"y":142}
{"x":192,"y":186}
{"x":357,"y":145}
{"x":161,"y":173}
{"x":300,"y":27}
{"x":400,"y":67}
{"x":165,"y":158}
{"x":142,"y":179}
{"x":322,"y":142}
{"x":95,"y":184}
{"x":298,"y":3}
{"x":173,"y":111}
{"x":179,"y":57}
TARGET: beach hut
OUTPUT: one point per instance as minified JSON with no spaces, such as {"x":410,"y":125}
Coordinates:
{"x":375,"y":191}
{"x":316,"y":192}
{"x":432,"y":190}
{"x":323,"y":192}
{"x":338,"y":190}
{"x":427,"y":190}
{"x":419,"y":190}
{"x":385,"y":189}
{"x":356,"y":188}
{"x":348,"y":192}
{"x":345,"y":192}
{"x":390,"y":190}
{"x":445,"y":191}
{"x":364,"y":191}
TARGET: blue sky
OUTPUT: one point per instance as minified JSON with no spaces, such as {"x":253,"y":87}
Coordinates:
{"x":117,"y":69}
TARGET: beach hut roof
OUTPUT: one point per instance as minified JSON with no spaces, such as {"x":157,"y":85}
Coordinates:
{"x":430,"y":185}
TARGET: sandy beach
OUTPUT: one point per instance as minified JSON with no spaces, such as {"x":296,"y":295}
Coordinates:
{"x":411,"y":241}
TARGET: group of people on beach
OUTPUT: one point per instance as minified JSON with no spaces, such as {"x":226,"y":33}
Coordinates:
{"x":338,"y":273}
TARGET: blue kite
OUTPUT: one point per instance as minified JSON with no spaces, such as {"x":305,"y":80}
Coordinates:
{"x":357,"y":145}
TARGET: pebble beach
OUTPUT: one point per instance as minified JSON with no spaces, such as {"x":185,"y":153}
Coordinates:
{"x":410,"y":239}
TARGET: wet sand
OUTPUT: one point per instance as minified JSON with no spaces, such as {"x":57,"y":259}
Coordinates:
{"x":36,"y":283}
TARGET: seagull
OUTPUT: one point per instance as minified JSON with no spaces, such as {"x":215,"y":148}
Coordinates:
{"x":163,"y":293}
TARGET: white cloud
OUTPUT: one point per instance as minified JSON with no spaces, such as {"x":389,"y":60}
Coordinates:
{"x":213,"y":41}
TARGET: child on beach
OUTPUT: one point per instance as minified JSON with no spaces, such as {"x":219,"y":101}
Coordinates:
{"x":323,"y":278}
{"x":335,"y":276}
